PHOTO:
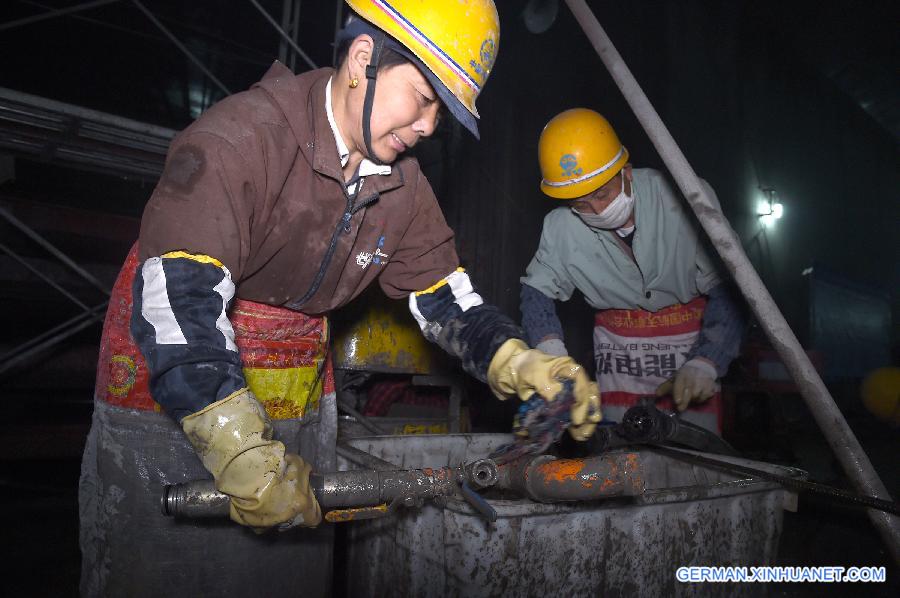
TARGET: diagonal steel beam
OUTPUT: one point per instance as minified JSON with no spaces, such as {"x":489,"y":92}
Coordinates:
{"x":284,"y":35}
{"x":43,"y":276}
{"x":34,"y":236}
{"x":180,"y":46}
{"x":54,"y":13}
{"x":826,"y":413}
{"x":54,"y":336}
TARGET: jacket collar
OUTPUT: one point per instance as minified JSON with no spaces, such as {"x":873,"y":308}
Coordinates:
{"x":301,"y":99}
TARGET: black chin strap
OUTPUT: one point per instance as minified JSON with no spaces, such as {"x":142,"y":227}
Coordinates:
{"x":371,"y":73}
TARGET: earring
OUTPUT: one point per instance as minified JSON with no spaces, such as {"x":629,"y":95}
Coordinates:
{"x":354,"y":83}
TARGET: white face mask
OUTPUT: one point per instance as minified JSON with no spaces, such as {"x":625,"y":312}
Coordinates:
{"x":615,"y":215}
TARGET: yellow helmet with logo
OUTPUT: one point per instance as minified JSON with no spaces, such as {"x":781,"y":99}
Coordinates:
{"x":457,"y":41}
{"x":579,"y":152}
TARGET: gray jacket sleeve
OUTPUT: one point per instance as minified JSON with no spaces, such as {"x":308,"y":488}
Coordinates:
{"x":722,"y":329}
{"x":539,"y":317}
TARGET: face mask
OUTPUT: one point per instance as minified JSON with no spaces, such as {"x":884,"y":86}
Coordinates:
{"x":614,"y":216}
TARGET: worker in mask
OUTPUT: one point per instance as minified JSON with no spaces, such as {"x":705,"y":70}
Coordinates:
{"x":667,"y":321}
{"x":277,"y":206}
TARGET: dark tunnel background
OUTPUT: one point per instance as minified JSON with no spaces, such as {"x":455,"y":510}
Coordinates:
{"x":800,"y":97}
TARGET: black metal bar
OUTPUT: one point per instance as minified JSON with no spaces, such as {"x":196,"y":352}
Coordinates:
{"x":284,"y":35}
{"x":54,"y":13}
{"x":181,"y":46}
{"x":43,"y":277}
{"x":34,"y":236}
{"x":360,"y":418}
{"x":72,"y":326}
{"x":835,"y":494}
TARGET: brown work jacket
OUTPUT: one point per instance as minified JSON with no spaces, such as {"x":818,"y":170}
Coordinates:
{"x":256,"y":182}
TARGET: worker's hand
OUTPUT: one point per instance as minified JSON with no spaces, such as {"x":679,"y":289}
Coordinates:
{"x":233,"y":438}
{"x":516,"y":370}
{"x":695,"y":381}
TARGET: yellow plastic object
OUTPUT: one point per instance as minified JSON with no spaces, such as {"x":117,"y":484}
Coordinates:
{"x":457,"y":41}
{"x":377,"y":334}
{"x":579,"y":152}
{"x":881,"y":394}
{"x":286,"y":392}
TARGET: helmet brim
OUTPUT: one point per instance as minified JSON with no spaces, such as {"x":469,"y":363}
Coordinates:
{"x":358,"y":26}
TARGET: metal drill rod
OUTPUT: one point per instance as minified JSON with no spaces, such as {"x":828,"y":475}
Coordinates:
{"x":361,"y":488}
{"x":543,"y":478}
{"x":835,"y":494}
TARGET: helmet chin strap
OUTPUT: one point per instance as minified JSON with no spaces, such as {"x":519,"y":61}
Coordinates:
{"x":371,"y":73}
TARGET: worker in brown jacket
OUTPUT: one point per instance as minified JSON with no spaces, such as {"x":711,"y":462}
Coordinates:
{"x":278,"y":205}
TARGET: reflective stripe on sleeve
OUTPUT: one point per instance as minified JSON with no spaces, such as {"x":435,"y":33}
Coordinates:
{"x":155,"y":306}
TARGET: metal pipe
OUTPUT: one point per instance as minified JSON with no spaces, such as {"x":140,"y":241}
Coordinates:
{"x":34,"y":236}
{"x":295,"y":32}
{"x":286,"y":6}
{"x":54,"y":13}
{"x":338,"y":22}
{"x":840,"y":437}
{"x":94,"y":311}
{"x":284,"y":35}
{"x":181,"y":46}
{"x":360,"y":488}
{"x":159,"y":136}
{"x":43,"y":277}
{"x":353,"y":454}
{"x":542,"y":478}
{"x":360,"y":418}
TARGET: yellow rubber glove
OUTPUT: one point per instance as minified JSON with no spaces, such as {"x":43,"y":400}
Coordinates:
{"x":233,"y":438}
{"x":695,"y":381}
{"x":516,"y":370}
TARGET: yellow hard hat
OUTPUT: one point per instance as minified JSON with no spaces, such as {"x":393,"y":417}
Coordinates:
{"x":457,"y":41}
{"x":579,"y":152}
{"x":881,"y":394}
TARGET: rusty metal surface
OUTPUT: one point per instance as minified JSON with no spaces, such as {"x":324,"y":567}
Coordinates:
{"x":345,"y":515}
{"x":624,"y":546}
{"x":547,"y":479}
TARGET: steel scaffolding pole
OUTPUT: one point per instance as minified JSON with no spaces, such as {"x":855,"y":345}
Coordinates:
{"x":34,"y":236}
{"x":180,"y":46}
{"x":54,"y":336}
{"x":290,"y":23}
{"x":55,"y":13}
{"x":831,"y":421}
{"x":22,"y":261}
{"x":284,"y":35}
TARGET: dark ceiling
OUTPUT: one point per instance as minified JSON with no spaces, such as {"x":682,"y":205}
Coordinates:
{"x":113,"y":57}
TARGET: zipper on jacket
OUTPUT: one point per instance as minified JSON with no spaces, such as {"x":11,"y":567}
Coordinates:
{"x":343,"y":225}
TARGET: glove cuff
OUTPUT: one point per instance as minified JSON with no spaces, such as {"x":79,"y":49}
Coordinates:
{"x":222,"y":431}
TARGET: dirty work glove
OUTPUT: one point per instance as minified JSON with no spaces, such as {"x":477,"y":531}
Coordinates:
{"x":695,"y":381}
{"x":516,"y":370}
{"x":233,"y":438}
